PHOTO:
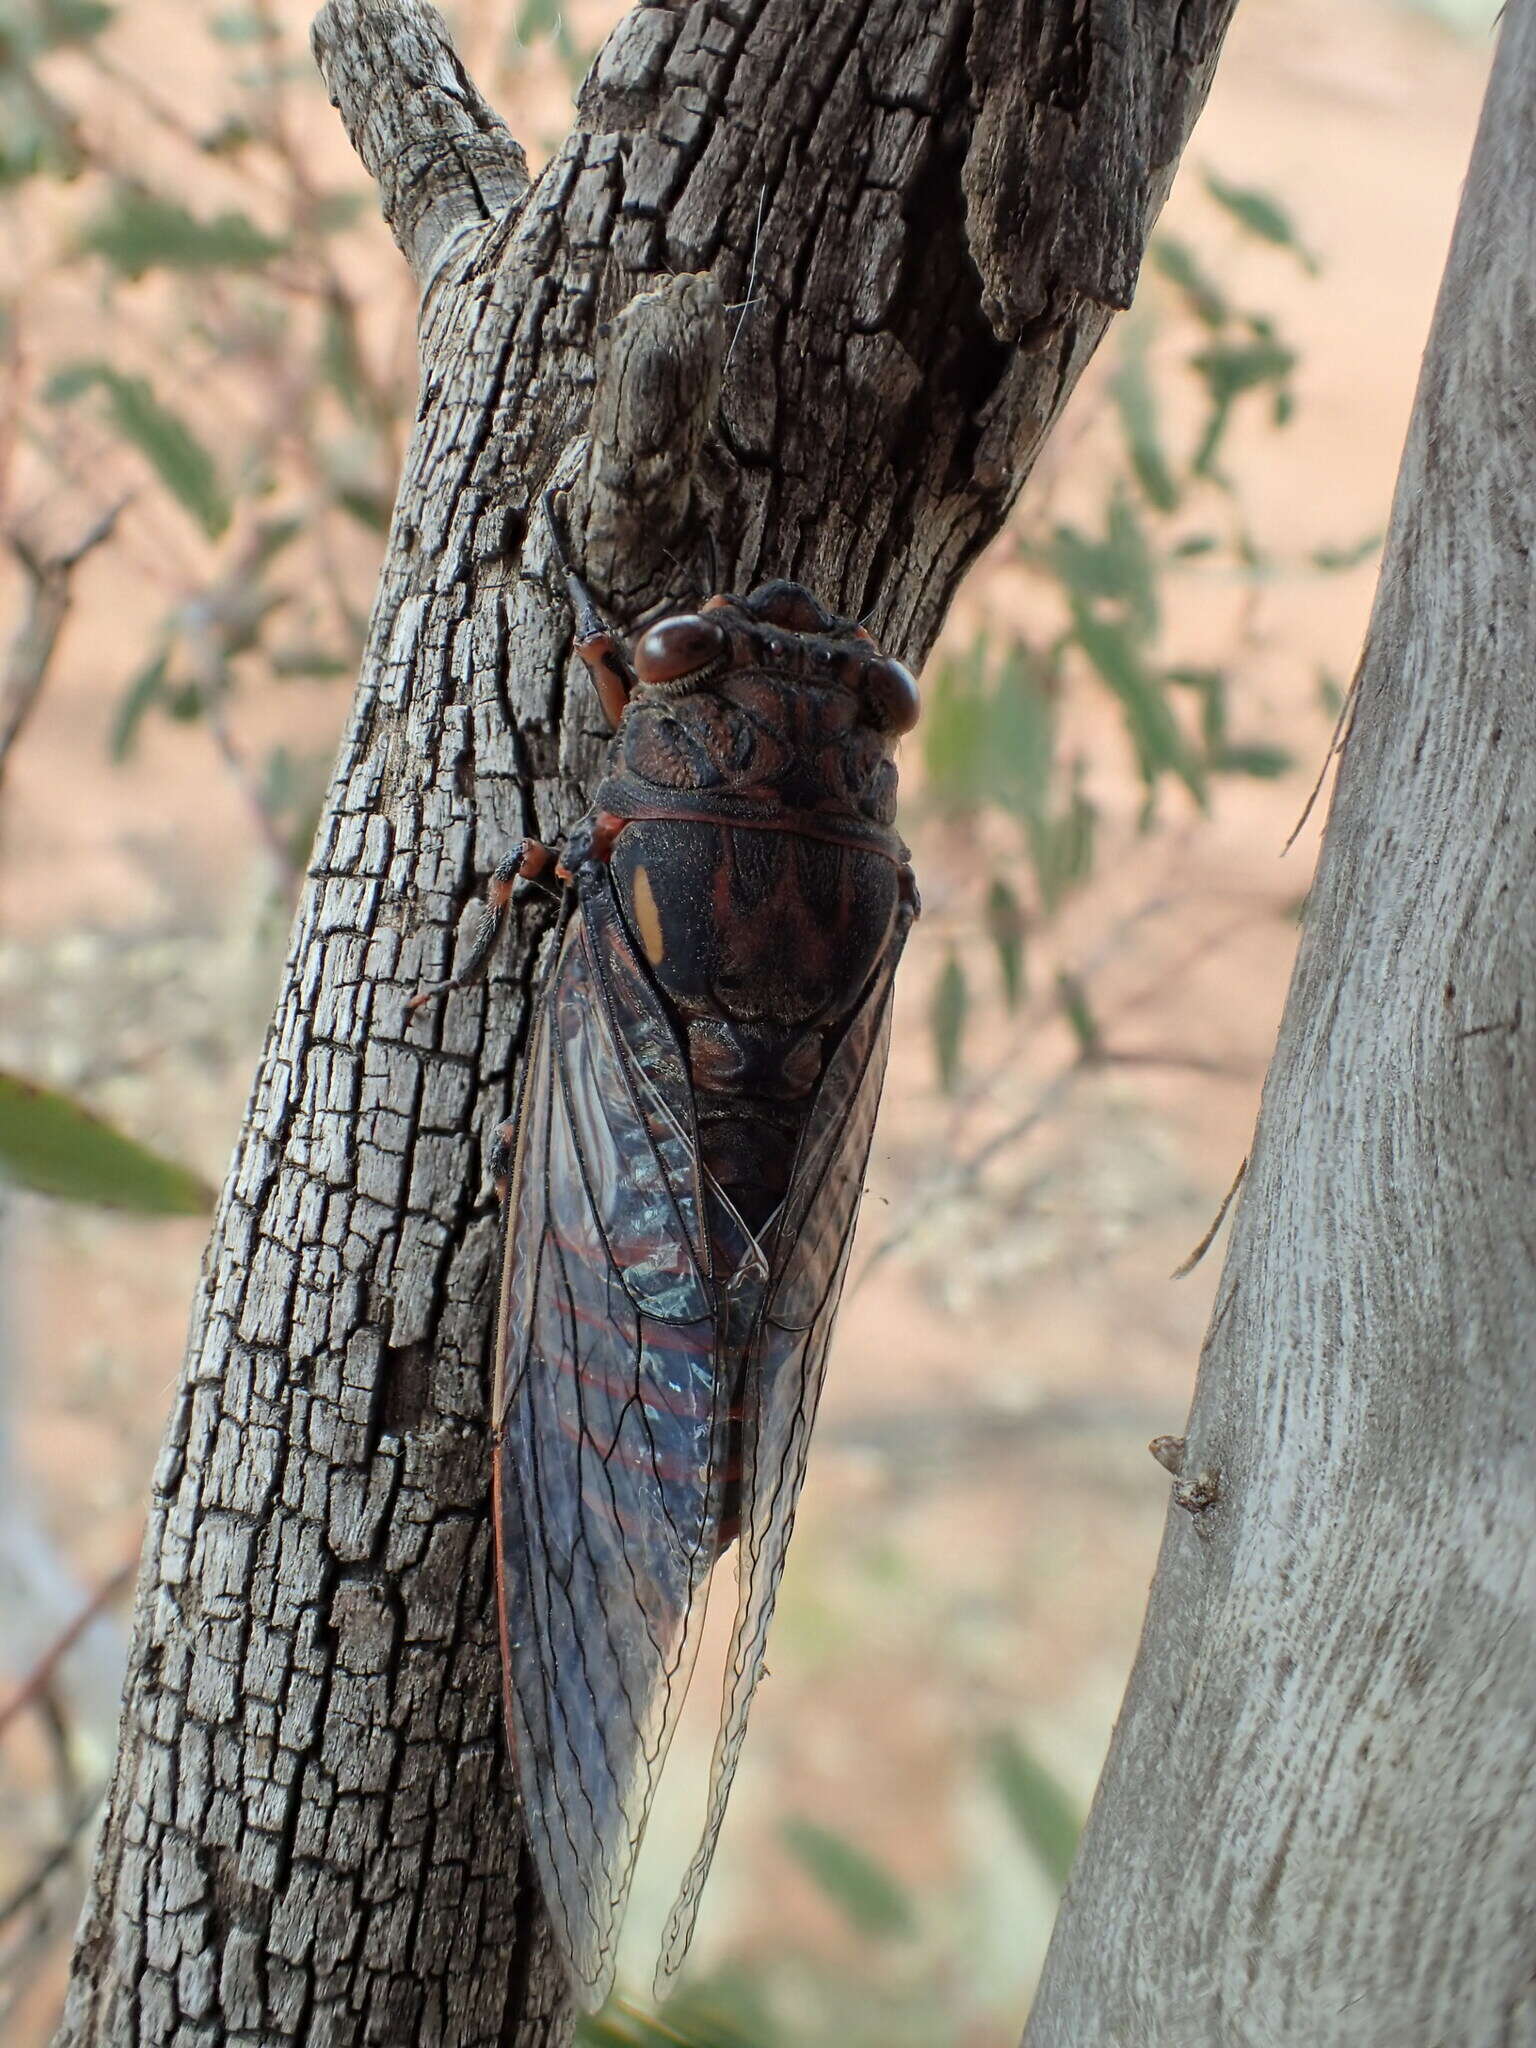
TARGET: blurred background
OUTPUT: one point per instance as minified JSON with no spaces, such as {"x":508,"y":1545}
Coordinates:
{"x":206,"y":371}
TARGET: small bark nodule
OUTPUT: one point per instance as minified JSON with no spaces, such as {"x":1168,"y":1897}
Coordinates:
{"x":801,"y":295}
{"x":1317,"y":1823}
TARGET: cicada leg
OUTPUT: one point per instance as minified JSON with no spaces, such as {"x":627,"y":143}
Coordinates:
{"x":596,"y":642}
{"x":529,"y":862}
{"x":498,"y":1156}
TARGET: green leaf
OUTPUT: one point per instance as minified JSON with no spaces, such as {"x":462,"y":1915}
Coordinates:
{"x":1210,"y":685}
{"x":166,"y":442}
{"x":69,"y":21}
{"x":690,"y":2022}
{"x":52,"y":1145}
{"x":341,"y":357}
{"x":1332,"y":560}
{"x":1229,"y":369}
{"x":1019,"y":734}
{"x":1040,"y":1809}
{"x":309,"y":661}
{"x":1073,"y":997}
{"x":1006,"y":929}
{"x":1261,"y":761}
{"x":947,"y":1010}
{"x":1261,"y":214}
{"x":988,"y":736}
{"x":146,"y":688}
{"x":1137,"y":406}
{"x":1184,"y":271}
{"x":870,"y":1899}
{"x":1117,"y":570}
{"x":1062,"y":847}
{"x":368,"y":508}
{"x":243,"y":25}
{"x":1196,"y":544}
{"x":330,"y":212}
{"x":1330,"y":693}
{"x":138,"y":231}
{"x":1154,"y":731}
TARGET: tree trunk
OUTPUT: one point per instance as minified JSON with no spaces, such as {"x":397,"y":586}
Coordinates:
{"x":809,"y":277}
{"x":1318,"y":1819}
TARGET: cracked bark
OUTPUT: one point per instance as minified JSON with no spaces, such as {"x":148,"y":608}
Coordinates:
{"x":1317,"y":1823}
{"x":312,"y":1834}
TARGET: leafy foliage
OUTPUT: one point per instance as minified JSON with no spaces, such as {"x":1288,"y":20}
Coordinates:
{"x":991,"y":737}
{"x":241,"y":422}
{"x":138,"y":230}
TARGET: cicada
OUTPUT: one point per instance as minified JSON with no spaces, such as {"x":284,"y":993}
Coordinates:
{"x":682,"y":1177}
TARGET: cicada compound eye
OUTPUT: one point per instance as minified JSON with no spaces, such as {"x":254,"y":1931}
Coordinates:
{"x":676,"y":647}
{"x":891,"y":695}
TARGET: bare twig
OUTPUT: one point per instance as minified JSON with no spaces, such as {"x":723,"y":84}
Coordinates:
{"x":37,"y":1681}
{"x":1336,"y":746}
{"x":1188,"y":1265}
{"x":49,"y":581}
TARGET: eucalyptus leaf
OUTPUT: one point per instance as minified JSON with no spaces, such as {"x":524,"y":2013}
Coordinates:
{"x":1155,"y":733}
{"x":161,"y":436}
{"x":1261,"y":214}
{"x":1075,"y":1007}
{"x":1136,"y":403}
{"x":138,"y":230}
{"x":870,"y":1899}
{"x":948,"y":1008}
{"x":1177,"y":262}
{"x":54,"y":1146}
{"x":1006,"y":928}
{"x":146,"y":688}
{"x":1038,"y":1806}
{"x":1264,"y":762}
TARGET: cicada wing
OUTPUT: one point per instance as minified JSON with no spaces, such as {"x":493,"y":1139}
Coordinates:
{"x":782,"y":1384}
{"x":612,"y":1442}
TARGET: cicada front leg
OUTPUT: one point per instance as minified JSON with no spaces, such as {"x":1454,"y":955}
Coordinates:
{"x":596,"y":642}
{"x":528,"y":861}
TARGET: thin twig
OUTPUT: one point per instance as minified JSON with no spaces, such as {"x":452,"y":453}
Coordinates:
{"x":52,"y":1862}
{"x":38,"y":1679}
{"x":1188,"y":1265}
{"x":1336,"y":746}
{"x":49,"y":595}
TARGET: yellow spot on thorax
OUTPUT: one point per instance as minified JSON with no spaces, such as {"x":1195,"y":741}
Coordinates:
{"x":648,"y":917}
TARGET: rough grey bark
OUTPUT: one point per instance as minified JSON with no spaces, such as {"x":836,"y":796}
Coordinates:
{"x":829,"y":213}
{"x":1318,"y":1819}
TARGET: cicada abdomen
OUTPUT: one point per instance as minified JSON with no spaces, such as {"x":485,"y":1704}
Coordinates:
{"x":694,"y":1124}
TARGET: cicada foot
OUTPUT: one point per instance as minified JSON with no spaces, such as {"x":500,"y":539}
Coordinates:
{"x":498,"y":1156}
{"x":528,"y":861}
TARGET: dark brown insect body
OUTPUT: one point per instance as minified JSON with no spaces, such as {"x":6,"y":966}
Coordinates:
{"x":695,"y":1118}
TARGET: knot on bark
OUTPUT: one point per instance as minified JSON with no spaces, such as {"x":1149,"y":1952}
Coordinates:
{"x":658,"y":385}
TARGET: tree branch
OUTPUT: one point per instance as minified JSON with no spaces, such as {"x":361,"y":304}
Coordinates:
{"x":445,"y":163}
{"x":1317,"y":1817}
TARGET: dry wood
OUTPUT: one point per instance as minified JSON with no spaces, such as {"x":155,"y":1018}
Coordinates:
{"x":312,"y":1835}
{"x":1318,"y":1821}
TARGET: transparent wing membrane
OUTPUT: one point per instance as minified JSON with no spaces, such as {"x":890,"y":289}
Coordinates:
{"x":619,"y":1358}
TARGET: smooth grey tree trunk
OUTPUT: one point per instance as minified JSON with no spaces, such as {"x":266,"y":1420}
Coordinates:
{"x":812,"y":278}
{"x":1318,"y":1820}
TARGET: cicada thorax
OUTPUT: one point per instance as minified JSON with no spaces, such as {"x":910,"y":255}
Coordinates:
{"x":758,"y":869}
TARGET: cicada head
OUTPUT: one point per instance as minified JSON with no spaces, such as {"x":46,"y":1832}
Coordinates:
{"x":773,"y":699}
